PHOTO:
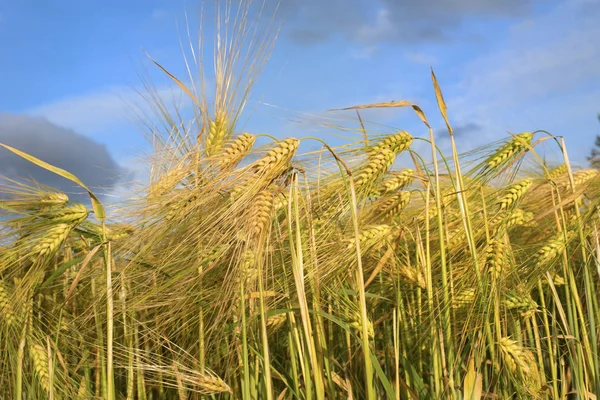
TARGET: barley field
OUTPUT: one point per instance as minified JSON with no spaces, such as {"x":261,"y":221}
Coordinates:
{"x":248,"y":269}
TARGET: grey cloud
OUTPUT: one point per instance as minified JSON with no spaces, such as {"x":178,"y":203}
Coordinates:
{"x":88,"y":160}
{"x":372,"y":21}
{"x":460,"y":131}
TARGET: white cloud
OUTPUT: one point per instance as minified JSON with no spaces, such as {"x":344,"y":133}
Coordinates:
{"x":95,"y":112}
{"x":546,"y":76}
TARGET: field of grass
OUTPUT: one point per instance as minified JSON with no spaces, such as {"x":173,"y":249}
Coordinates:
{"x":249,"y":271}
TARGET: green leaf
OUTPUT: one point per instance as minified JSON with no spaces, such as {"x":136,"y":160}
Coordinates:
{"x":97,"y":206}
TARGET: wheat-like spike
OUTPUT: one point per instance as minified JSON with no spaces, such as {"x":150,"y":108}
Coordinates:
{"x":339,"y":381}
{"x":457,"y":237}
{"x":515,"y":356}
{"x":9,"y":257}
{"x":582,"y":176}
{"x":463,"y":298}
{"x":119,"y":231}
{"x":377,"y":234}
{"x":248,"y":267}
{"x":398,"y":181}
{"x":515,"y":193}
{"x":396,"y":143}
{"x":72,"y":215}
{"x":261,"y":212}
{"x":212,"y":384}
{"x":551,"y":250}
{"x":177,"y":207}
{"x":557,"y":172}
{"x":504,"y":153}
{"x":277,"y":157}
{"x":275,"y":322}
{"x":217,"y":132}
{"x":517,"y":302}
{"x":557,"y":279}
{"x":354,"y":321}
{"x":495,"y":258}
{"x":82,"y":391}
{"x":412,"y":276}
{"x":53,"y":239}
{"x":392,"y":205}
{"x":6,"y":306}
{"x":376,"y":166}
{"x":269,"y":167}
{"x":517,"y":217}
{"x":236,"y":150}
{"x":54,"y":200}
{"x":39,"y":357}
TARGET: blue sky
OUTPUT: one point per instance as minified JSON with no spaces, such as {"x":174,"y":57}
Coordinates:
{"x":504,"y":66}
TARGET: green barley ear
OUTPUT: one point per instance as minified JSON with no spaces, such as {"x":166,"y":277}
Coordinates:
{"x":463,"y":298}
{"x":505,"y":153}
{"x":51,"y":241}
{"x":551,"y":250}
{"x":235,"y":151}
{"x":73,"y":215}
{"x":515,"y":193}
{"x":39,"y":358}
{"x":53,"y":200}
{"x":523,"y":304}
{"x":354,"y":321}
{"x":217,"y":133}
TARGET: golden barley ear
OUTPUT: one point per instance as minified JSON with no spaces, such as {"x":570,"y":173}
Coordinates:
{"x":218,"y":131}
{"x":515,"y":193}
{"x":39,"y":358}
{"x":235,"y":151}
{"x":505,"y":153}
{"x":7,"y":313}
{"x":398,"y":181}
